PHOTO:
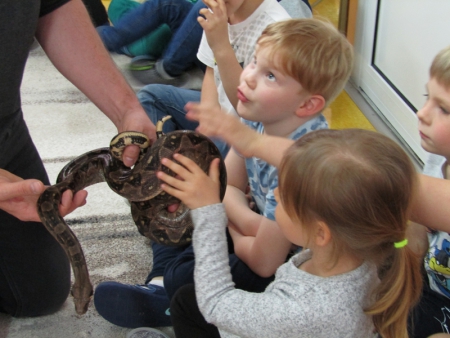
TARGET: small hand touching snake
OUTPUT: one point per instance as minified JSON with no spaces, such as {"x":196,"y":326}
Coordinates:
{"x":149,"y":203}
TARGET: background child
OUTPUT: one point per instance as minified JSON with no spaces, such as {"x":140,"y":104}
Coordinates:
{"x":279,"y":95}
{"x":434,"y":128}
{"x":230,"y":31}
{"x":345,"y":196}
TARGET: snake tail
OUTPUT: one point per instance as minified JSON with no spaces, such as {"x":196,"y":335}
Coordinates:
{"x":48,"y":206}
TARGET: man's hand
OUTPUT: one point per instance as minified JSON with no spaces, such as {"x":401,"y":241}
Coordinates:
{"x":18,"y":197}
{"x":136,"y":121}
{"x":192,"y":185}
{"x":214,"y":21}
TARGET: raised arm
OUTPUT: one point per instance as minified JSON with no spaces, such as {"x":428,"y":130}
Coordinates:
{"x":72,"y":44}
{"x":430,"y":207}
{"x":209,"y":97}
{"x":215,"y":26}
{"x":244,"y":140}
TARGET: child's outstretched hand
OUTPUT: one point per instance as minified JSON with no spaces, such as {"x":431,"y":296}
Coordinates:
{"x":214,"y":21}
{"x":192,"y":185}
{"x":218,"y":123}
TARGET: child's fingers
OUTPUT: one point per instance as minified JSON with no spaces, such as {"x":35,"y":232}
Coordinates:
{"x":210,"y":3}
{"x":172,"y":191}
{"x":176,"y":168}
{"x":201,"y":21}
{"x":214,"y":170}
{"x":221,"y":5}
{"x":172,"y":181}
{"x":192,"y":110}
{"x":190,"y":165}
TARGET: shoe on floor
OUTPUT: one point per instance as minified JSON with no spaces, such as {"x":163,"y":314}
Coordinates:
{"x":142,"y":62}
{"x":155,"y":74}
{"x":133,"y":306}
{"x":146,"y":332}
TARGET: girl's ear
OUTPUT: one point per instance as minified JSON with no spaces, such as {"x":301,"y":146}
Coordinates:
{"x":312,"y":105}
{"x":323,"y":234}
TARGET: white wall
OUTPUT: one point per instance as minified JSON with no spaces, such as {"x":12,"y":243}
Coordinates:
{"x":409,"y":33}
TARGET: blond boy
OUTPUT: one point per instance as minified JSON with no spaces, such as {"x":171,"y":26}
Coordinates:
{"x":434,"y":130}
{"x":299,"y":67}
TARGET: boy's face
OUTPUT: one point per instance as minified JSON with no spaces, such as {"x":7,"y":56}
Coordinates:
{"x":434,"y":120}
{"x":265,"y":93}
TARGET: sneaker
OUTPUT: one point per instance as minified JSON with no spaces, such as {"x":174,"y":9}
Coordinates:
{"x":142,"y":62}
{"x":157,"y":75}
{"x":133,"y":306}
{"x":146,"y":332}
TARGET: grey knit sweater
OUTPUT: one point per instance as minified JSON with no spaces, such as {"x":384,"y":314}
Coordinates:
{"x":297,"y":304}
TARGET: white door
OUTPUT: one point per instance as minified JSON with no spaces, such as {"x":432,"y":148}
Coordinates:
{"x":395,"y":43}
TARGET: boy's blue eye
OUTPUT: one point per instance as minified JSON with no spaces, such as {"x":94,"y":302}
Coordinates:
{"x":271,"y":77}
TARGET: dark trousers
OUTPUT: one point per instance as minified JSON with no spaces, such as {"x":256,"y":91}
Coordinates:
{"x":176,"y":265}
{"x":186,"y":317}
{"x":34,"y":269}
{"x":431,"y":315}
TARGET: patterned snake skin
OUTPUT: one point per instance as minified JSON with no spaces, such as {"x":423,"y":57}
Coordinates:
{"x":138,"y":184}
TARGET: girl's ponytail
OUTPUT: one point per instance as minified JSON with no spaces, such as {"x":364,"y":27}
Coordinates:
{"x":361,"y":185}
{"x":397,"y":293}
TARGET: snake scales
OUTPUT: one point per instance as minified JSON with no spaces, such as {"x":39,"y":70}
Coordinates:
{"x":137,"y":184}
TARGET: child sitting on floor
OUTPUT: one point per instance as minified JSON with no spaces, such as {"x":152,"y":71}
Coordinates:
{"x":434,"y":128}
{"x":345,"y":196}
{"x":300,"y":66}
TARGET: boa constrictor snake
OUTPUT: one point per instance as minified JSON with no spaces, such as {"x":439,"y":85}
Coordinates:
{"x":138,"y":184}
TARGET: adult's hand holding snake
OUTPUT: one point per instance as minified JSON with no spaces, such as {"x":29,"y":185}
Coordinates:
{"x":18,"y":197}
{"x":136,"y":120}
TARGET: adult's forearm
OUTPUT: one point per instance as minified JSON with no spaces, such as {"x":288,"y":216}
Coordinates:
{"x":74,"y":47}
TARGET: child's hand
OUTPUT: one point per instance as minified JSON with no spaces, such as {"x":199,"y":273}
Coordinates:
{"x":215,"y":122}
{"x":215,"y":23}
{"x":192,"y":186}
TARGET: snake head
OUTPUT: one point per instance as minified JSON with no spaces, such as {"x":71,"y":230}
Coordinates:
{"x":128,"y":138}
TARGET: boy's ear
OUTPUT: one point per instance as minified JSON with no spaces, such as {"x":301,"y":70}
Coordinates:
{"x":323,"y":234}
{"x":312,"y":105}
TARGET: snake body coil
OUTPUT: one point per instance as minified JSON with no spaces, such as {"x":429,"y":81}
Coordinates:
{"x":138,"y":184}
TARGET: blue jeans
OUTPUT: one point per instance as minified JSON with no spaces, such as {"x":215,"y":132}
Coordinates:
{"x":162,"y":100}
{"x":179,"y":15}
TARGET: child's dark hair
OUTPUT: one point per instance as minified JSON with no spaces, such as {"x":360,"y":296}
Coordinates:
{"x":360,"y":184}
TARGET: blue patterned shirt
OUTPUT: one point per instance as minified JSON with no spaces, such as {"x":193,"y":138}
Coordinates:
{"x":263,"y":177}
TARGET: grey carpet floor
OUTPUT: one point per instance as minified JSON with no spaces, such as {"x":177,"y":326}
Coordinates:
{"x":65,"y":124}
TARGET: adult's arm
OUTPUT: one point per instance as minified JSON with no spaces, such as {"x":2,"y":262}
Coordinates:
{"x":74,"y":47}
